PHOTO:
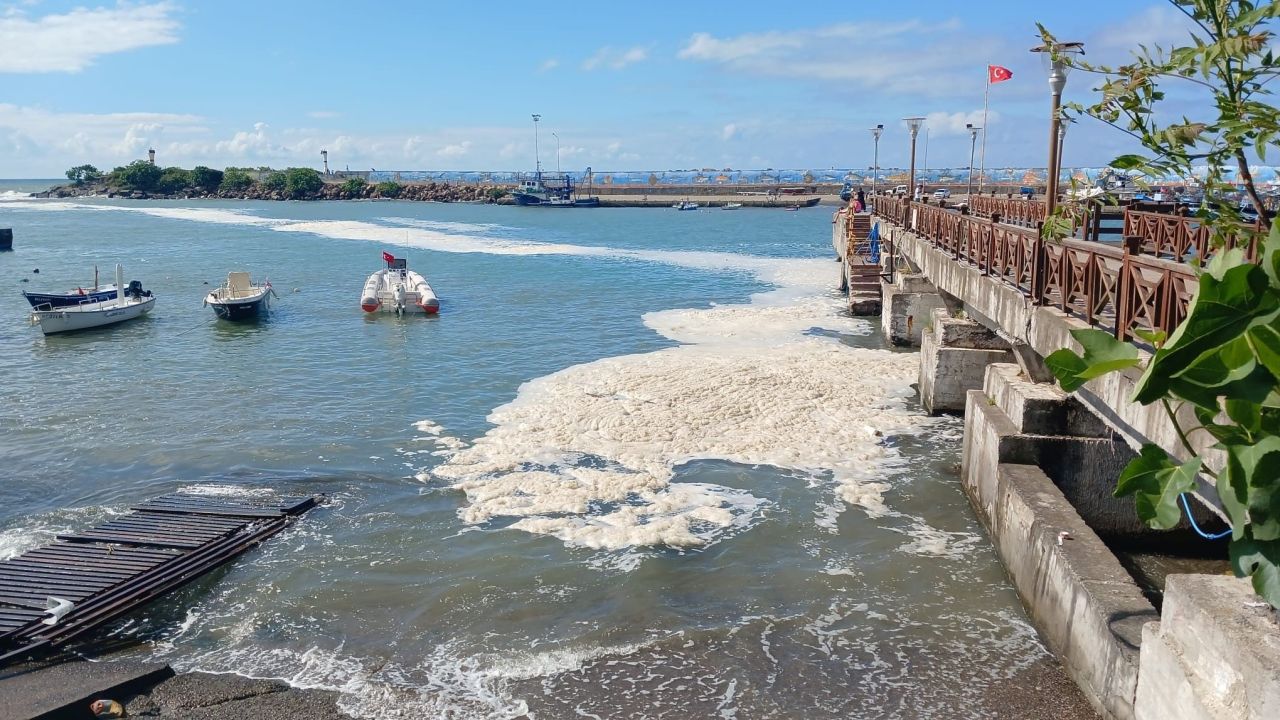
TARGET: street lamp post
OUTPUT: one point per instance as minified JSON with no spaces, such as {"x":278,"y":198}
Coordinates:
{"x":557,"y":137}
{"x":537,"y":163}
{"x":973,"y":141}
{"x":913,"y":125}
{"x":1062,"y":140}
{"x":875,"y":158}
{"x":1056,"y":54}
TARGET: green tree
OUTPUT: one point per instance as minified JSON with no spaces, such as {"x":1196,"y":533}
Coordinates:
{"x":302,"y":182}
{"x":354,"y":186}
{"x":388,"y":189}
{"x":206,"y":178}
{"x":275,"y":182}
{"x":235,"y":179}
{"x":173,"y":179}
{"x":1223,"y":361}
{"x":137,"y":175}
{"x":82,"y":174}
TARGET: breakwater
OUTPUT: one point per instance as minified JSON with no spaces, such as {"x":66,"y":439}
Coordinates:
{"x":427,"y":192}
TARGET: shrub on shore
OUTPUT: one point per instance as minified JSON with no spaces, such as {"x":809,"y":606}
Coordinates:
{"x":235,"y":180}
{"x":302,"y":182}
{"x":81,"y":174}
{"x":354,"y":186}
{"x":137,"y":175}
{"x":173,"y":179}
{"x":388,"y":189}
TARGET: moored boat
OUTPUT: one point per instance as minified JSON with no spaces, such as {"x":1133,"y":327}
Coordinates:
{"x":131,"y":303}
{"x":79,"y":296}
{"x":731,"y":206}
{"x":239,"y":299}
{"x":398,"y":289}
{"x":685,"y":205}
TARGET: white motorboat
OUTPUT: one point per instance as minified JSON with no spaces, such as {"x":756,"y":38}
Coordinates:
{"x":132,"y":302}
{"x":731,"y":206}
{"x":239,"y":299}
{"x":398,"y":289}
{"x":685,"y":205}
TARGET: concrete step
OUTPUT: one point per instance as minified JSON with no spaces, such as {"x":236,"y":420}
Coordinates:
{"x":66,"y":689}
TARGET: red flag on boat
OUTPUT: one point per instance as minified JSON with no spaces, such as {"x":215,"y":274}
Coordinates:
{"x":388,"y":256}
{"x":996,"y":74}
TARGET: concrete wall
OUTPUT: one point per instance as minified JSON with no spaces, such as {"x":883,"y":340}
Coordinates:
{"x":1084,"y":604}
{"x":1215,"y":654}
{"x":907,"y":306}
{"x":954,"y":355}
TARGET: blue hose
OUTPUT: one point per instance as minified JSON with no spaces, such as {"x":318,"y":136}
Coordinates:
{"x":1194,"y":526}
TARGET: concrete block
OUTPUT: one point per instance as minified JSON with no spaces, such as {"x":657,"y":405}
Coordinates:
{"x":1084,"y":604}
{"x":1229,"y":647}
{"x":905,"y":310}
{"x":66,"y":689}
{"x":948,"y":373}
{"x":1040,"y":408}
{"x":1164,"y":691}
{"x":963,"y":332}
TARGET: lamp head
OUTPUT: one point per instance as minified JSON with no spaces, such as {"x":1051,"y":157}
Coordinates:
{"x":914,"y":124}
{"x":876,"y":131}
{"x":1056,"y":57}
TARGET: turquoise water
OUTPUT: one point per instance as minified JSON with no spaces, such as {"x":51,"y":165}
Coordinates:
{"x":640,"y":466}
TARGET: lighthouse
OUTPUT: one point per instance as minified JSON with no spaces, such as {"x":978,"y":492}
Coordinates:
{"x":151,"y":156}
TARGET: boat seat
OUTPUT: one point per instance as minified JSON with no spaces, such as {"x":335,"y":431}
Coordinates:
{"x":239,"y":284}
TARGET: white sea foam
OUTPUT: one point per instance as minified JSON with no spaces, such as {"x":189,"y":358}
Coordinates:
{"x":588,"y":454}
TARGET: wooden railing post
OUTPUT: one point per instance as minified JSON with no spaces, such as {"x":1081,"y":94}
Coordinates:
{"x":1038,"y":261}
{"x":1125,"y":293}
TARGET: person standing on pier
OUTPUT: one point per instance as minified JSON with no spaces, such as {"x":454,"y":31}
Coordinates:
{"x":862,"y":198}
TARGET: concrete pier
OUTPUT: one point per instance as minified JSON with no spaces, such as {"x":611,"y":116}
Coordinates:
{"x":1040,"y":468}
{"x":907,"y":306}
{"x":954,"y":355}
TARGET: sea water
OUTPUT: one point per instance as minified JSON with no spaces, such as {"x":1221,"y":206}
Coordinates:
{"x":641,"y":465}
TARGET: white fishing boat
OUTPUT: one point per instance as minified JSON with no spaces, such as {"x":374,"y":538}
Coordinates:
{"x":132,"y":302}
{"x":731,"y":206}
{"x":685,"y":205}
{"x":398,"y":289}
{"x":239,"y":299}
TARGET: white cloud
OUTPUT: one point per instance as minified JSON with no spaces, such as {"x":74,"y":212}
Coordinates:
{"x":912,"y":57}
{"x":549,"y":64}
{"x":728,"y":132}
{"x":70,"y":42}
{"x":455,"y":150}
{"x":1159,"y":25}
{"x":615,"y":59}
{"x":943,"y":123}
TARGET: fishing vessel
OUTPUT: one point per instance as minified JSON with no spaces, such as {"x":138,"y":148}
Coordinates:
{"x":396,"y":288}
{"x":131,"y":303}
{"x":731,"y":206}
{"x":685,"y":205}
{"x":93,"y":293}
{"x":547,"y":190}
{"x":239,"y":299}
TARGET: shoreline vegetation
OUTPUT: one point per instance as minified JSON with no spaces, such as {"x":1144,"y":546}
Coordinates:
{"x":141,"y":180}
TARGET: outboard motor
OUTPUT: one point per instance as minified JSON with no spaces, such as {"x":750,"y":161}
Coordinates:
{"x":135,"y":290}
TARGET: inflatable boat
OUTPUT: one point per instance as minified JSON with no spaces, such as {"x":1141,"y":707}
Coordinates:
{"x":395,"y":288}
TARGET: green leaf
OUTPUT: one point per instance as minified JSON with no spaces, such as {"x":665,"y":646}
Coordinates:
{"x":1265,"y":342}
{"x":1156,"y":482}
{"x":1102,"y":354}
{"x":1260,"y":562}
{"x":1155,"y":337}
{"x":1066,"y":366}
{"x":1254,"y":471}
{"x":1220,"y":312}
{"x":1228,"y":371}
{"x":1128,"y":162}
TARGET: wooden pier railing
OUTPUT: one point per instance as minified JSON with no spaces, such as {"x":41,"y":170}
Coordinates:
{"x":1027,"y":213}
{"x":1115,"y":288}
{"x":1184,"y":237}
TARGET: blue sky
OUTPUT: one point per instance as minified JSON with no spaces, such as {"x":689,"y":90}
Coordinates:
{"x":654,"y":85}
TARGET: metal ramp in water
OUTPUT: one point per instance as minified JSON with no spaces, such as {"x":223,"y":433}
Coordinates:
{"x":112,"y":569}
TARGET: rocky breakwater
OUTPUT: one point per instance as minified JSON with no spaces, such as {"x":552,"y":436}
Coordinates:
{"x":425,"y":192}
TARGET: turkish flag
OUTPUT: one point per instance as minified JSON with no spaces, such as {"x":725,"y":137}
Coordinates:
{"x":996,"y":74}
{"x":388,"y":256}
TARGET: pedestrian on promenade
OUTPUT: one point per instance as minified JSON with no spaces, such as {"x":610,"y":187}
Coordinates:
{"x":862,"y":198}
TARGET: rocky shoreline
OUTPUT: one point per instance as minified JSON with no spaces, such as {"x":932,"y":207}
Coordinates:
{"x":423,"y":192}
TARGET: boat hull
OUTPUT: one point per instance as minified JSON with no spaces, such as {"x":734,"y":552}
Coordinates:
{"x":238,"y":310}
{"x":57,"y":300}
{"x":91,"y":315}
{"x":403,"y":291}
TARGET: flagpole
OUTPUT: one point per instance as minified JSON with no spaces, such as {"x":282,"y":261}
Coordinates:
{"x":982,"y":161}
